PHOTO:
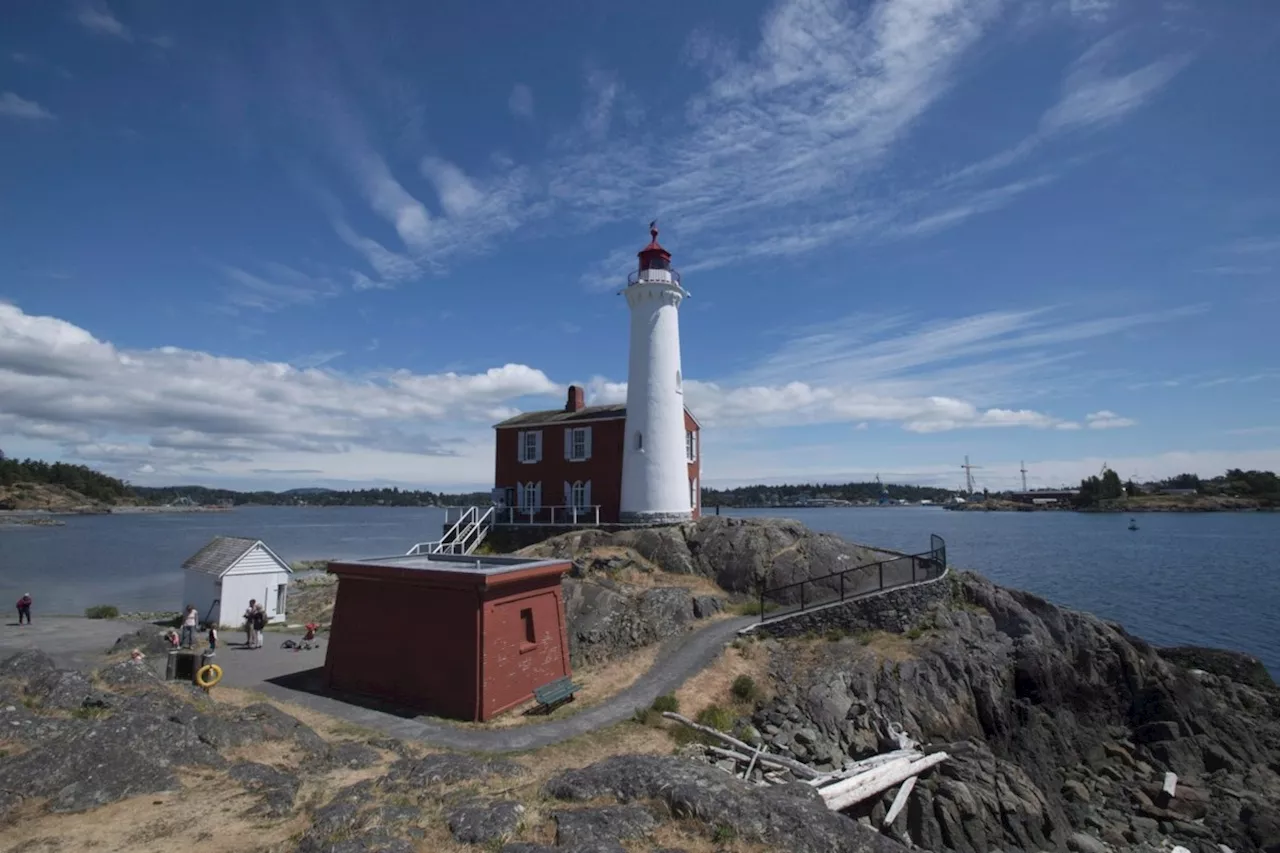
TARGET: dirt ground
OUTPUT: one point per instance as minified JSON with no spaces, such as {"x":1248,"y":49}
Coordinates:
{"x":212,"y":814}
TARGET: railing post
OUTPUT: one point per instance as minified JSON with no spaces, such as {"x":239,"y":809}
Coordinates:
{"x":762,"y":603}
{"x":882,"y":574}
{"x":842,"y":586}
{"x":802,"y":595}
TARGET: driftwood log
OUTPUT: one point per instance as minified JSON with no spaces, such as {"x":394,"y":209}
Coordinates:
{"x":858,"y":788}
{"x":804,"y":771}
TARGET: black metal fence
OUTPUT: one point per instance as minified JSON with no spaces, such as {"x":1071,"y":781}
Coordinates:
{"x":855,"y":582}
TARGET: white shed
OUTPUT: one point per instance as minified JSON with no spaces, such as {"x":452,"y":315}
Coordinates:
{"x":222,"y":576}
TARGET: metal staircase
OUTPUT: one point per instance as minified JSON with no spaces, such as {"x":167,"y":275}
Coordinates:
{"x":463,"y":537}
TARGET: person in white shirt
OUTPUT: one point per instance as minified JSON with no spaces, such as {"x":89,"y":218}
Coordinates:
{"x":190,"y":620}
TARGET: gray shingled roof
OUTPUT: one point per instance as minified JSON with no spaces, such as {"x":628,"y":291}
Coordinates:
{"x":556,"y":416}
{"x":219,"y":555}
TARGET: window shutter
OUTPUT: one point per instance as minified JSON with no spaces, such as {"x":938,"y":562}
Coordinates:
{"x":588,"y":444}
{"x":568,"y":442}
{"x":568,"y":493}
{"x":519,"y":494}
{"x":520,"y":446}
{"x":695,"y":445}
{"x":537,"y":496}
{"x":537,"y":446}
{"x":586,"y":490}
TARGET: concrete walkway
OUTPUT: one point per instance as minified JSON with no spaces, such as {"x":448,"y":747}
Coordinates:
{"x":294,"y":676}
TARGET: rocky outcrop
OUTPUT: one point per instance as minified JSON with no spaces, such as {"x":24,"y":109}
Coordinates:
{"x":791,"y":817}
{"x":1060,"y":727}
{"x":736,"y":553}
{"x":85,"y":742}
{"x":607,"y":619}
{"x":1235,"y":666}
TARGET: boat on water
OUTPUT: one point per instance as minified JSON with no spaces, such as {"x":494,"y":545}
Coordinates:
{"x":1133,"y":525}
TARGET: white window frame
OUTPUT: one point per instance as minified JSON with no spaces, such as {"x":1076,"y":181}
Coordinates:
{"x":690,"y":445}
{"x":531,"y":497}
{"x":694,"y":493}
{"x":530,"y":446}
{"x":580,"y":495}
{"x":577,"y":444}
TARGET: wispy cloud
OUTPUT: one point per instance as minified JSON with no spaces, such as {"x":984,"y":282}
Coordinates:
{"x":280,"y":287}
{"x":1107,"y":420}
{"x":520,"y":103}
{"x":98,"y":19}
{"x":12,"y":106}
{"x":1090,"y":96}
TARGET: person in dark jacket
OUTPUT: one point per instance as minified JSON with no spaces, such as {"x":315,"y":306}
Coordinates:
{"x":24,"y":608}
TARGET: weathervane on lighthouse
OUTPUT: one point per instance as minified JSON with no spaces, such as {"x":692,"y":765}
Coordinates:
{"x":655,"y":479}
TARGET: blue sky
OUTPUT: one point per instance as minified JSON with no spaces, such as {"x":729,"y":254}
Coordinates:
{"x":280,"y":244}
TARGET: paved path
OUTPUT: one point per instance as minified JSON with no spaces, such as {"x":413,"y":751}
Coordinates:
{"x":295,"y":677}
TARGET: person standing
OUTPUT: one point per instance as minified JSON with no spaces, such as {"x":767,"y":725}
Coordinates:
{"x":190,"y":620}
{"x":259,"y":622}
{"x":213,"y":637}
{"x":249,"y":639}
{"x":24,"y":608}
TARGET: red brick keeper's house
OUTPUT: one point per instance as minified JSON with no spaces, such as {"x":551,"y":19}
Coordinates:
{"x":564,"y":466}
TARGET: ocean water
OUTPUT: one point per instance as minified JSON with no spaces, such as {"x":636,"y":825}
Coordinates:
{"x":1205,"y":579}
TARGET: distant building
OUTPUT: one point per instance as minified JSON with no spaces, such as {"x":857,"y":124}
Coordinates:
{"x":457,"y":636}
{"x":222,"y":576}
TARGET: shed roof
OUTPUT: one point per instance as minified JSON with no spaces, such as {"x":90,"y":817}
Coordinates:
{"x":560,"y":416}
{"x":223,"y":552}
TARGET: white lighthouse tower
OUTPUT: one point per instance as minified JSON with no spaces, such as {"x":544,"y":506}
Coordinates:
{"x":655,"y":478}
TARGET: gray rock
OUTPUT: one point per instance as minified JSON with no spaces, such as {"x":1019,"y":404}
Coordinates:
{"x":1081,"y":843}
{"x":351,"y":755}
{"x":26,"y":665}
{"x":705,"y":606}
{"x":607,"y":620}
{"x":279,"y":789}
{"x":107,"y":760}
{"x":65,"y":690}
{"x":129,"y":673}
{"x":793,"y":817}
{"x":480,"y":822}
{"x":606,"y":823}
{"x":148,"y":639}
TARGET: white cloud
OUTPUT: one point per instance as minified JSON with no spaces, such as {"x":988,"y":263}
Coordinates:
{"x":1090,"y":96}
{"x":175,"y":409}
{"x":283,"y":287}
{"x":13,"y":106}
{"x":521,"y":101}
{"x":97,"y":19}
{"x":1107,"y":420}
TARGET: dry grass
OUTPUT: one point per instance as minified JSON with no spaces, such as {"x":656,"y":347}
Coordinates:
{"x":711,"y":686}
{"x":208,"y":813}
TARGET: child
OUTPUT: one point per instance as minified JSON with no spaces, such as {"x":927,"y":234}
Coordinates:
{"x":213,"y":637}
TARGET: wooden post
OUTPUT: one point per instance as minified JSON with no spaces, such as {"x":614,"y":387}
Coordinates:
{"x":859,"y":788}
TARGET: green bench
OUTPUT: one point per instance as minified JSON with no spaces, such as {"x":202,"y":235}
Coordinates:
{"x":555,"y":693}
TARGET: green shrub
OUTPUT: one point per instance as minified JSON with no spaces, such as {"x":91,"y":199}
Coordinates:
{"x":724,"y":834}
{"x":666,"y":703}
{"x":102,"y":611}
{"x":916,"y":633}
{"x":752,"y":608}
{"x":744,"y":689}
{"x":834,"y":635}
{"x":716,"y":717}
{"x":647,"y":717}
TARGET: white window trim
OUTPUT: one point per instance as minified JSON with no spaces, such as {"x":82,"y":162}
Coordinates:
{"x":530,"y":496}
{"x":690,"y":445}
{"x":523,"y":448}
{"x":570,"y":441}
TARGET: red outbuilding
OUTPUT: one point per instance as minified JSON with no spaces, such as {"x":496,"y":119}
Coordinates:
{"x":454,"y":636}
{"x":564,"y":466}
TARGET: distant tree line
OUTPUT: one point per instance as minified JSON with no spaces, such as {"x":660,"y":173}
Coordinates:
{"x":88,"y":482}
{"x":1260,"y":486}
{"x":766,"y":496}
{"x":310,"y":497}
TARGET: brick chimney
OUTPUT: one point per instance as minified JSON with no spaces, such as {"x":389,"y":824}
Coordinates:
{"x":577,"y":399}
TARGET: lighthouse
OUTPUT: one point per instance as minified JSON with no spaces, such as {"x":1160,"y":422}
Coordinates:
{"x":655,"y":477}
